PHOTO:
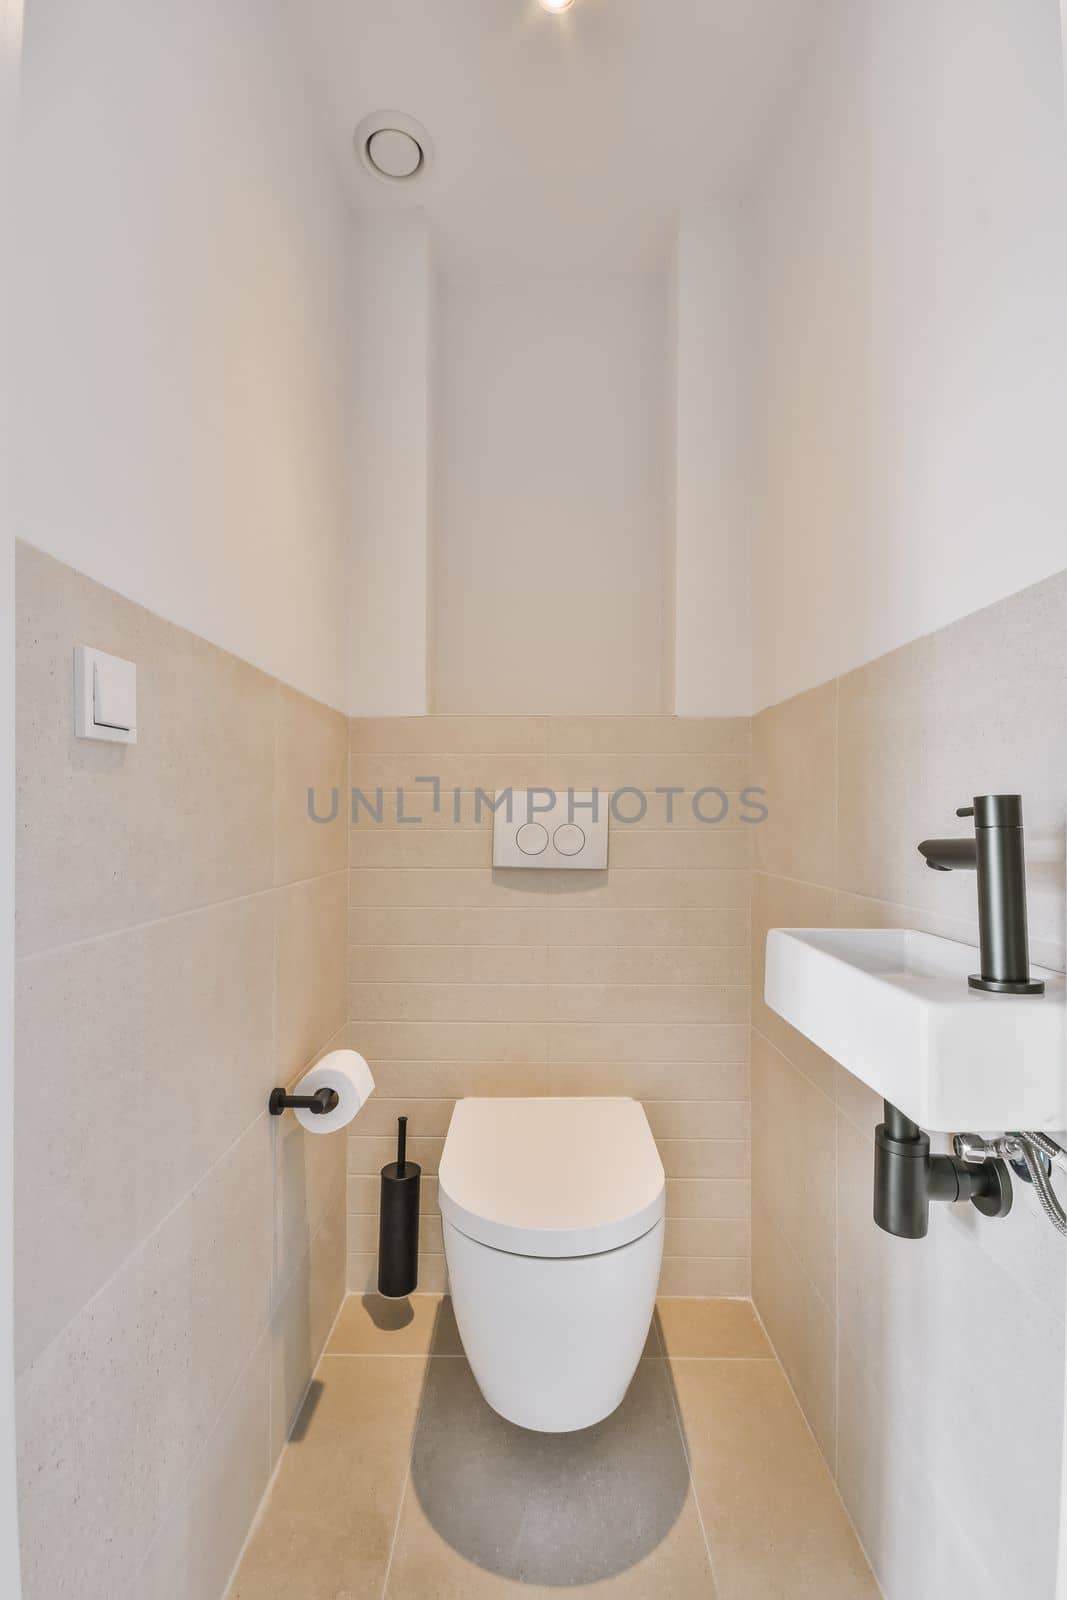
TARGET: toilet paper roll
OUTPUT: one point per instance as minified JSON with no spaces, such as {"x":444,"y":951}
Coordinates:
{"x":348,"y":1073}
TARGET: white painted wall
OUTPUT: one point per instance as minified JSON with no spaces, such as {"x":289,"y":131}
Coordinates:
{"x":10,"y":63}
{"x":393,"y":314}
{"x":910,"y":238}
{"x":182,"y":298}
{"x":552,"y":500}
{"x":712,"y":546}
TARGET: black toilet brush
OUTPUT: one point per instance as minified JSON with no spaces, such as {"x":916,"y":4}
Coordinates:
{"x":398,"y":1222}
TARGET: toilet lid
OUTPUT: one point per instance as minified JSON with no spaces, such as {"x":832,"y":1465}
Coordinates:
{"x":551,"y":1177}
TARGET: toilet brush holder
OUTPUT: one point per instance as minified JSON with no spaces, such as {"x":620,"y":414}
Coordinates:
{"x":398,"y":1222}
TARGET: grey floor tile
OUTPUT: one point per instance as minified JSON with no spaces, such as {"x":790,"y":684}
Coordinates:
{"x":493,"y":1510}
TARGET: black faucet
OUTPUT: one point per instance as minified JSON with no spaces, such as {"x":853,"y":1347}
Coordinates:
{"x":996,"y":854}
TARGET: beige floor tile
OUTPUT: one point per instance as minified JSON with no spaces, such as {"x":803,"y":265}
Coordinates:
{"x":775,"y":1525}
{"x":606,"y":1511}
{"x":370,"y":1325}
{"x":719,"y":1328}
{"x":326,"y":1531}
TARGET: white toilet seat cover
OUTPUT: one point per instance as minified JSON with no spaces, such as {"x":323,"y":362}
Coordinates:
{"x":551,"y":1177}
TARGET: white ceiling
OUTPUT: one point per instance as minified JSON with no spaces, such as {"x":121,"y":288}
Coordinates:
{"x":563,"y":143}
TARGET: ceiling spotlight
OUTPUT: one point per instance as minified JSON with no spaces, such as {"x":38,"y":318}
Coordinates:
{"x":556,"y":5}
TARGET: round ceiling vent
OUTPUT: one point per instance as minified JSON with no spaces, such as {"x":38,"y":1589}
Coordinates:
{"x":393,"y":146}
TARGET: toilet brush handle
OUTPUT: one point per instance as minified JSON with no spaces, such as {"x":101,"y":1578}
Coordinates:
{"x":401,"y":1144}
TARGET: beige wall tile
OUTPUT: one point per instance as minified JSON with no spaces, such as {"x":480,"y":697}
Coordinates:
{"x":438,"y":847}
{"x":113,"y":1453}
{"x":404,"y":812}
{"x":461,"y":887}
{"x":899,"y":1313}
{"x":619,"y":1003}
{"x":680,"y":964}
{"x":704,"y":1158}
{"x":862,"y":1107}
{"x":363,"y":1234}
{"x":201,"y":1540}
{"x":705,"y":1277}
{"x":886,"y":1492}
{"x":794,"y":758}
{"x":182,"y":818}
{"x":647,"y":926}
{"x":919,"y":731}
{"x":662,"y":888}
{"x":682,"y":847}
{"x":632,"y":981}
{"x":155,"y":1046}
{"x":720,"y":1198}
{"x":718,"y":1080}
{"x":370,"y":1155}
{"x":437,"y":925}
{"x":448,"y":963}
{"x":436,"y":1079}
{"x":649,"y":735}
{"x":929,"y":726}
{"x":363,"y":1274}
{"x":448,"y":735}
{"x":609,"y":772}
{"x":309,"y":1177}
{"x":310,"y":753}
{"x":491,"y":772}
{"x":707,"y":1238}
{"x":303,"y":1320}
{"x":698,"y":1119}
{"x":168,"y":849}
{"x":800,"y":1324}
{"x":793,"y":1161}
{"x":782,"y":903}
{"x":755,"y":1467}
{"x":520,"y":1043}
{"x":426,"y":1116}
{"x":363,"y":1189}
{"x":310,"y":1003}
{"x":647,"y":1041}
{"x":448,"y":1002}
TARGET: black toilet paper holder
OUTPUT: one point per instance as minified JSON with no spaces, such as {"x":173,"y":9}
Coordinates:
{"x":319,"y":1103}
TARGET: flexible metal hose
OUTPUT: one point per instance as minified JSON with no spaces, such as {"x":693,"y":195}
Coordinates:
{"x":1032,"y":1149}
{"x":1055,"y":1152}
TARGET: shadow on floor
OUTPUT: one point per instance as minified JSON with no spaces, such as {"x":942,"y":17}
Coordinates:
{"x":548,"y":1509}
{"x":300,"y":1427}
{"x":388,"y":1315}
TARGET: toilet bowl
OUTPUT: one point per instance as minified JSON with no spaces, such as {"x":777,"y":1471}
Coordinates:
{"x":553,"y":1226}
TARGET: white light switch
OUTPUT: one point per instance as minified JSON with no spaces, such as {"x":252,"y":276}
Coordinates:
{"x":105,"y":696}
{"x":549,"y":829}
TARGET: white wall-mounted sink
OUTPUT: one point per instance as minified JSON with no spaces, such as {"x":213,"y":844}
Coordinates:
{"x":893,"y":1007}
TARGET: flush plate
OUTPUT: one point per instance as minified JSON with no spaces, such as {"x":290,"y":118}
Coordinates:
{"x":893,"y":1006}
{"x":550,"y":828}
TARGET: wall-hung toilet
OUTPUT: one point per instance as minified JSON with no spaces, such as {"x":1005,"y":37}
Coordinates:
{"x":553,"y":1226}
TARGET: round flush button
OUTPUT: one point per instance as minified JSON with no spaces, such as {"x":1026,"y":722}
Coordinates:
{"x":532,"y":838}
{"x":569,"y":840}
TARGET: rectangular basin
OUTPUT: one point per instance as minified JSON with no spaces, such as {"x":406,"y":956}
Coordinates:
{"x":893,"y":1006}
